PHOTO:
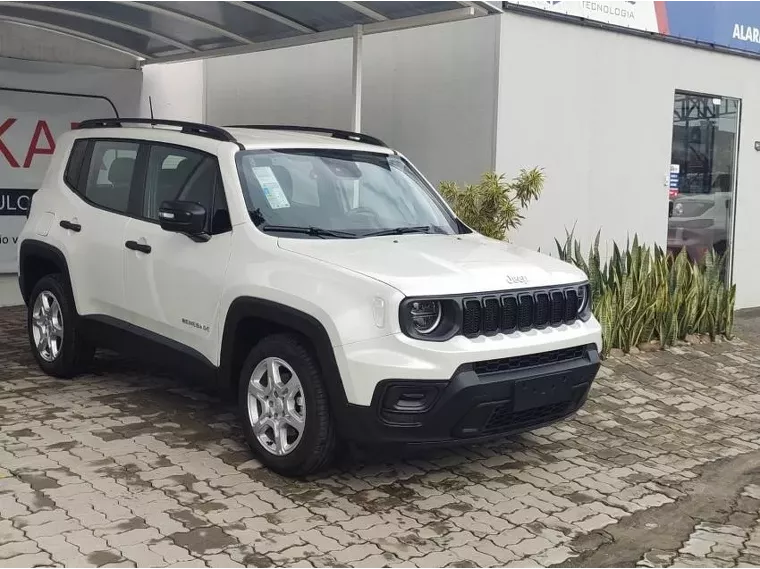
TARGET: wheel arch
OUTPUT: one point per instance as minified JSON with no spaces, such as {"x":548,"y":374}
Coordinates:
{"x":250,"y":319}
{"x":36,"y":260}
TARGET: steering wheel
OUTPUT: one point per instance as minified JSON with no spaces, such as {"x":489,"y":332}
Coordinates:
{"x":364,"y":212}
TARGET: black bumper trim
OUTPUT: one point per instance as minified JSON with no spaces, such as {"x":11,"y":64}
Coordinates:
{"x":472,"y":407}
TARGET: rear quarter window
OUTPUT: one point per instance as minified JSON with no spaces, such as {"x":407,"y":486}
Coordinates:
{"x":74,"y":165}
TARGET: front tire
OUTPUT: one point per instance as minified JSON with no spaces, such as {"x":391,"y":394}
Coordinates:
{"x":284,"y":407}
{"x":55,"y":339}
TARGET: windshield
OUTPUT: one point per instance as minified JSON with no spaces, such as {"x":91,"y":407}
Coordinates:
{"x":338,"y":194}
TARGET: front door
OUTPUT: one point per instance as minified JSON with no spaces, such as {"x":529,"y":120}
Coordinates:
{"x":173,"y":284}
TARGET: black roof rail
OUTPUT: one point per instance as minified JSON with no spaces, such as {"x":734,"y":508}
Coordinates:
{"x":198,"y":129}
{"x":333,"y":132}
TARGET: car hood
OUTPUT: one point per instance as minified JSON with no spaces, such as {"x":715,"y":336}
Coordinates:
{"x":420,"y":264}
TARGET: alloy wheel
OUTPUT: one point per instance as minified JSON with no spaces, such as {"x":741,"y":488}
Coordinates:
{"x":47,"y":326}
{"x":276,"y":406}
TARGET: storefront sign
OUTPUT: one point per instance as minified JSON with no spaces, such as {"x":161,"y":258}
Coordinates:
{"x":734,"y":25}
{"x":29,"y":125}
{"x":636,"y":15}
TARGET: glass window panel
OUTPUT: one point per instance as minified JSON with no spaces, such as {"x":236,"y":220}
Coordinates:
{"x":702,"y":171}
{"x":319,"y":16}
{"x":406,"y":9}
{"x":235,"y":19}
{"x":195,"y":35}
{"x":109,"y":179}
{"x":120,"y":36}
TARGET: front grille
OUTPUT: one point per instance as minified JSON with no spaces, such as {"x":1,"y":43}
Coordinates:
{"x":471,"y":319}
{"x":504,"y":419}
{"x":491,"y":311}
{"x":529,"y":360}
{"x":519,"y":311}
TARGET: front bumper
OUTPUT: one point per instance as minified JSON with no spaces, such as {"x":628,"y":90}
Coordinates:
{"x":482,"y":400}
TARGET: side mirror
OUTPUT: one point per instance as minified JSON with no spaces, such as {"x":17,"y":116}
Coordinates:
{"x":184,"y":217}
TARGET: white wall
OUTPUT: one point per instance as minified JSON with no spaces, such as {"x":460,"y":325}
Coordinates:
{"x":430,"y":92}
{"x":121,"y":86}
{"x":307,"y":85}
{"x":594,"y":108}
{"x":175,"y":89}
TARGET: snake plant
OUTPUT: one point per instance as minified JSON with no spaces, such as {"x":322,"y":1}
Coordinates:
{"x":643,"y":294}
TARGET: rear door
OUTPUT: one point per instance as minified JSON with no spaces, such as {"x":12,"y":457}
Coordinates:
{"x":92,"y":219}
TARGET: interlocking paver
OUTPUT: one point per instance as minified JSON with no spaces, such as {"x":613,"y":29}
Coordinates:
{"x":130,"y":466}
{"x":15,"y":548}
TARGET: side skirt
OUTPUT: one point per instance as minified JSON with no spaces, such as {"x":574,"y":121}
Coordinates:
{"x":149,"y":347}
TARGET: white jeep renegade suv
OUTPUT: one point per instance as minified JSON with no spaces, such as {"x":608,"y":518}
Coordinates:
{"x":313,"y":272}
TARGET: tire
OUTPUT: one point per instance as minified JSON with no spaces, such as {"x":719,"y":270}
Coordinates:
{"x":314,"y":448}
{"x":68,"y":353}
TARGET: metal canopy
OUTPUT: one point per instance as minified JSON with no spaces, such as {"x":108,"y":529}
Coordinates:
{"x":156,"y":32}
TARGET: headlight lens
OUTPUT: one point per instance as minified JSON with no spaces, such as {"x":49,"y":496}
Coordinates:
{"x":426,"y":316}
{"x":434,"y":319}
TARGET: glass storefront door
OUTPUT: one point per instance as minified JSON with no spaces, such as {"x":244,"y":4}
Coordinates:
{"x":702,"y":174}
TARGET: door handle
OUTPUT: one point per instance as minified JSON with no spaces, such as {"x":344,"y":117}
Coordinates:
{"x":66,"y":224}
{"x":135,"y":246}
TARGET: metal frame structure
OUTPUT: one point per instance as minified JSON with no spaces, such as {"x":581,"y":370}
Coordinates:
{"x":158,"y":33}
{"x":97,"y":19}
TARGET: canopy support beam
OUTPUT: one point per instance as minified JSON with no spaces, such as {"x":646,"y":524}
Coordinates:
{"x":356,"y":78}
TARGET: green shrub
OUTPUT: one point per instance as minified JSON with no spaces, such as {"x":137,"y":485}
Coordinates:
{"x":493,"y":205}
{"x":643,"y":294}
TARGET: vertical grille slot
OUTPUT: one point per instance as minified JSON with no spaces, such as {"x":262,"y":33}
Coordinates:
{"x":471,"y":318}
{"x":571,"y":305}
{"x":508,"y":314}
{"x":491,"y":315}
{"x":543,"y":308}
{"x":558,"y":308}
{"x":525,"y":312}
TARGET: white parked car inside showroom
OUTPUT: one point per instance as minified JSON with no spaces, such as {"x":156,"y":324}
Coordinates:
{"x":313,"y":272}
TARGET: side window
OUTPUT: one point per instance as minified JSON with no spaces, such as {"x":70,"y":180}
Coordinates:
{"x":74,"y":165}
{"x":111,"y":169}
{"x":169,"y":170}
{"x":186,"y":175}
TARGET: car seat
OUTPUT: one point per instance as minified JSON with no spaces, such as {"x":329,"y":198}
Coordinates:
{"x":120,"y":177}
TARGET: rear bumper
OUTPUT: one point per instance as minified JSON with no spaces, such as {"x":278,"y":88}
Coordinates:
{"x":480,"y":401}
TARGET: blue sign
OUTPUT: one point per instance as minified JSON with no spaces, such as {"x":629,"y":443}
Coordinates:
{"x":728,"y":24}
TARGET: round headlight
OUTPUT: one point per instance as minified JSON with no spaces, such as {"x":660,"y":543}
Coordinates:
{"x":426,"y":315}
{"x":678,"y":209}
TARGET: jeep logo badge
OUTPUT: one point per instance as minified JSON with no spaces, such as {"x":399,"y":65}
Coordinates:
{"x":517,"y":279}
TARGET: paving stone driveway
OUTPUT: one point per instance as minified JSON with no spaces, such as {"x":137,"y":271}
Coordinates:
{"x":129,"y":467}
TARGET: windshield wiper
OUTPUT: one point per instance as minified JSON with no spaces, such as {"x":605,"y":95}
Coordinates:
{"x":314,"y":231}
{"x":400,"y":231}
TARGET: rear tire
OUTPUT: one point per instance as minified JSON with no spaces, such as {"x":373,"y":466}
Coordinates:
{"x":54,"y":334}
{"x":284,"y":407}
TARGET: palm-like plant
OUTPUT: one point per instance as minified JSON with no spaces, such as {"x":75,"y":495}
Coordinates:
{"x":493,"y":206}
